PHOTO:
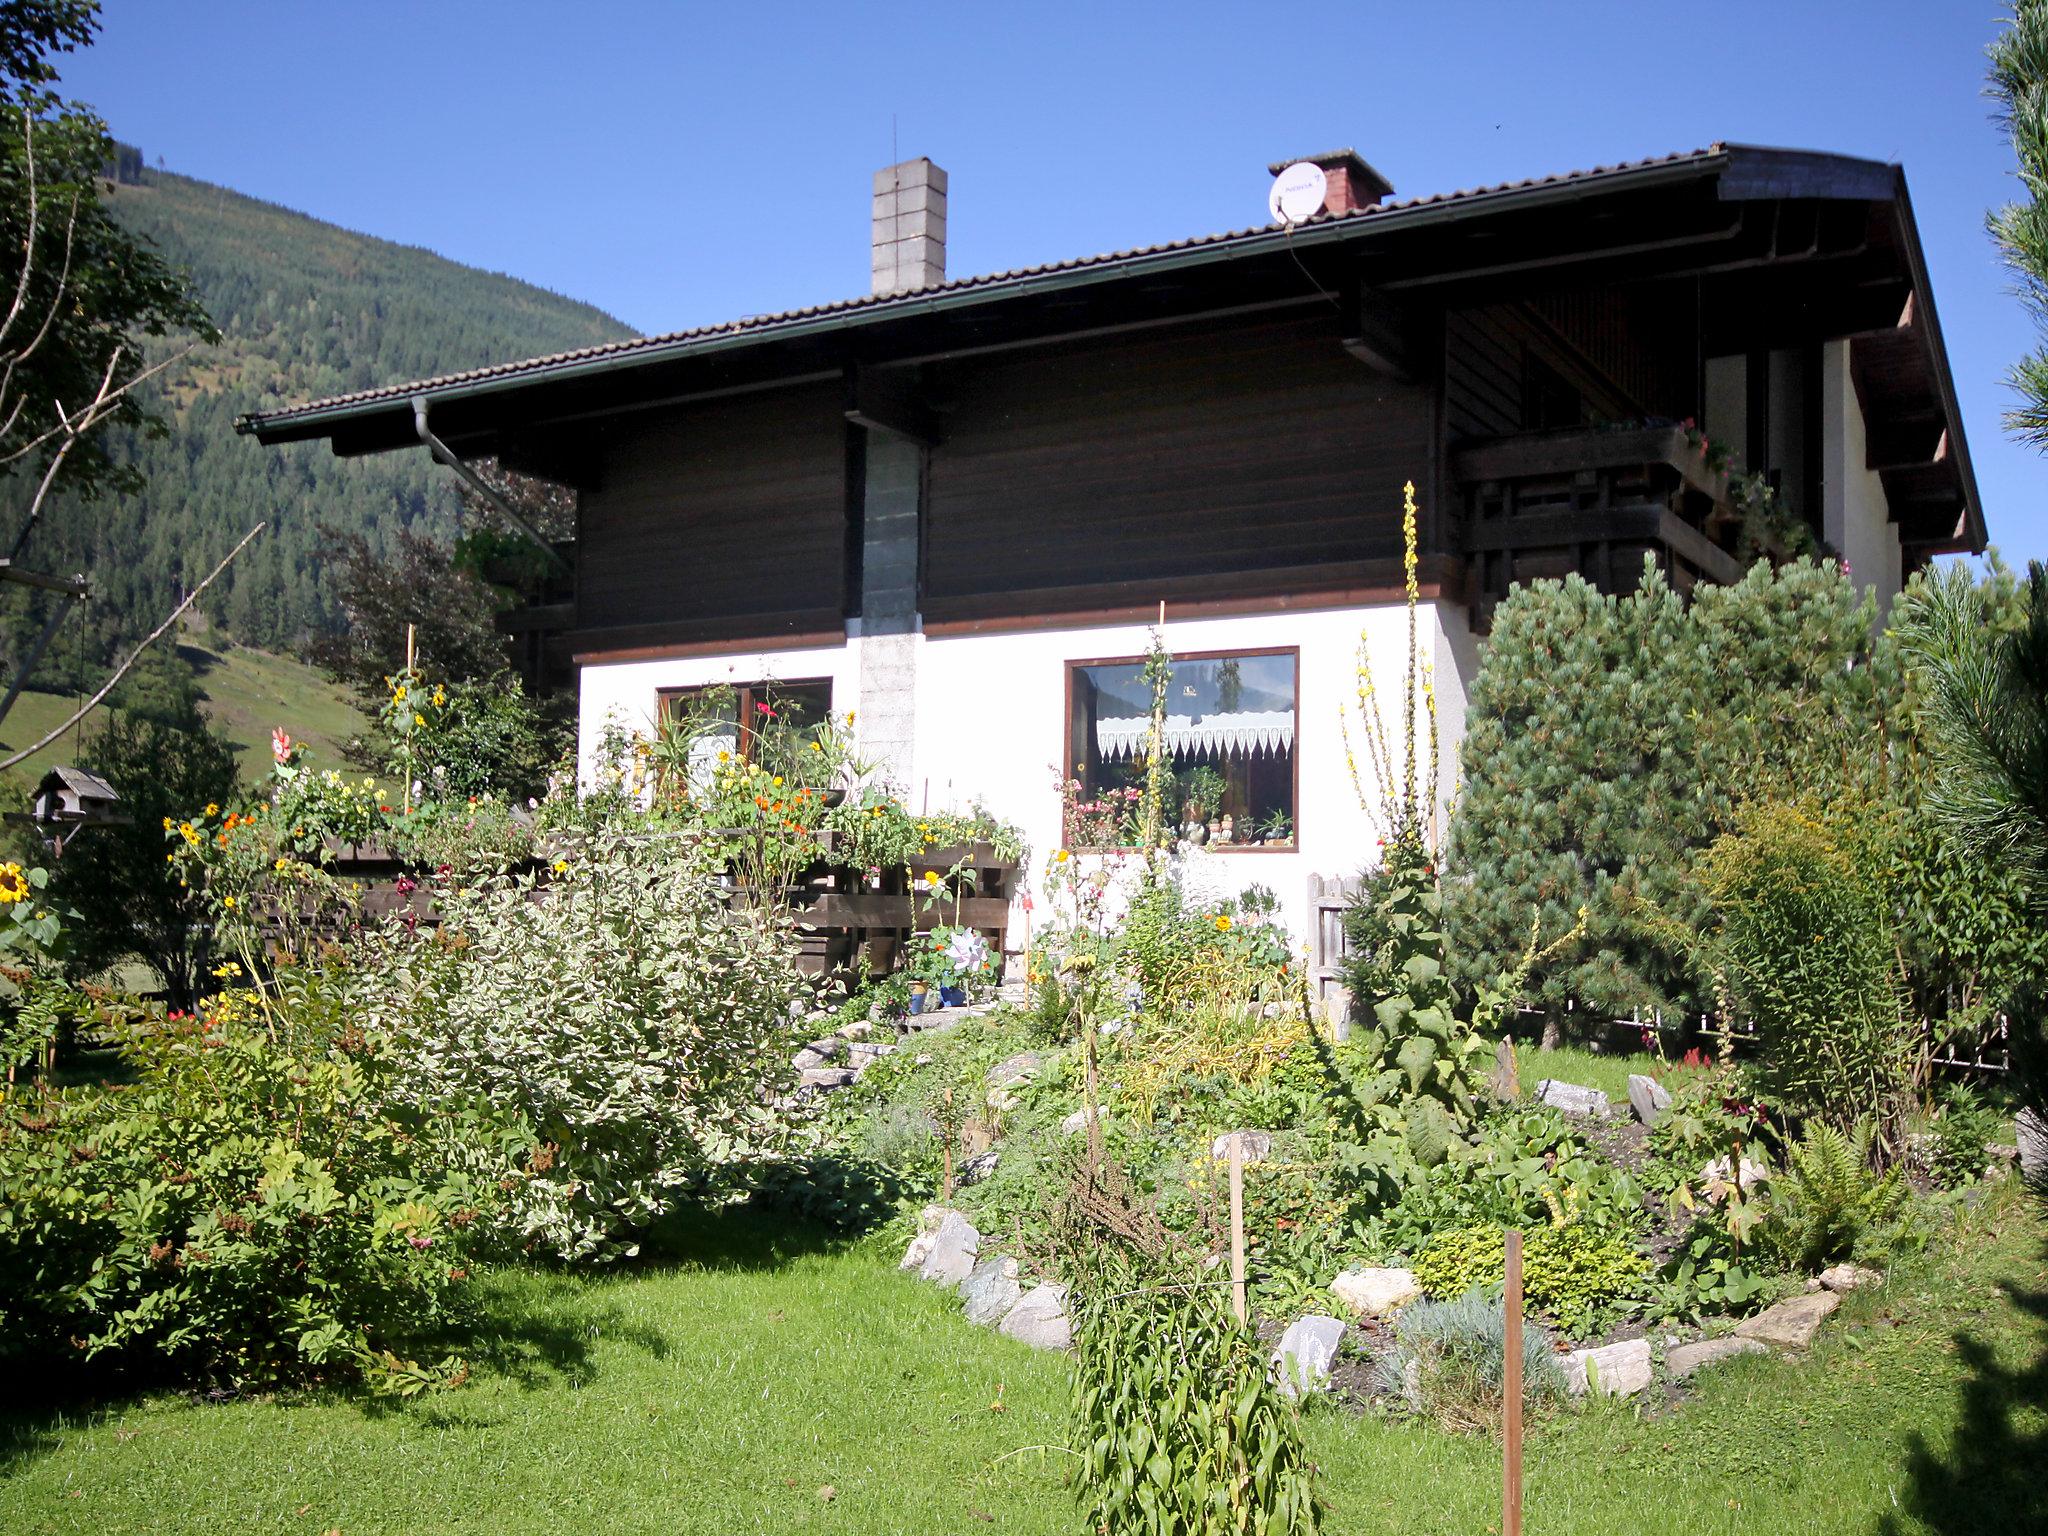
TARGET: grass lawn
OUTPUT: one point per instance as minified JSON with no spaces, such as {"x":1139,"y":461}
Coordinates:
{"x":722,"y":1396}
{"x":1608,"y":1070}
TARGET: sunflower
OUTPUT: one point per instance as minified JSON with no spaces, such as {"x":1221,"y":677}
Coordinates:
{"x":13,"y":884}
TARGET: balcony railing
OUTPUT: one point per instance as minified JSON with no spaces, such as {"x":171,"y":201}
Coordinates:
{"x":1592,"y":502}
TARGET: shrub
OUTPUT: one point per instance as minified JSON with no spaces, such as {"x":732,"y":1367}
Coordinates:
{"x":1828,"y":1205}
{"x":1804,"y":940}
{"x":1962,"y":1127}
{"x":245,"y":1212}
{"x":1610,"y":738}
{"x":624,"y":1014}
{"x":1570,"y":1273}
{"x":1449,"y":1361}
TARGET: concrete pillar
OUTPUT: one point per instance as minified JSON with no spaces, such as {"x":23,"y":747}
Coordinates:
{"x":889,"y":623}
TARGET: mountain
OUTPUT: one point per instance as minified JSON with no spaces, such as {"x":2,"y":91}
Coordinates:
{"x":306,"y":309}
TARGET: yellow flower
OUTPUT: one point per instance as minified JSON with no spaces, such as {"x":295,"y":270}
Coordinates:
{"x":398,"y":694}
{"x":419,"y":719}
{"x":440,"y":697}
{"x":228,"y":902}
{"x":185,"y":831}
{"x":167,"y":823}
{"x":931,"y":877}
{"x":817,"y":746}
{"x":1062,"y":856}
{"x":778,"y":781}
{"x":212,"y":809}
{"x":13,"y":884}
{"x":724,"y":756}
{"x":282,"y":865}
{"x":561,"y":866}
{"x":1222,"y":923}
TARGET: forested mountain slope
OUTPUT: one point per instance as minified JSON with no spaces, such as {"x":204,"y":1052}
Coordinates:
{"x":306,"y":309}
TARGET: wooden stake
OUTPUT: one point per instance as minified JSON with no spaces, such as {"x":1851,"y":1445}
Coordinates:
{"x":1511,"y":1393}
{"x":1237,"y":1224}
{"x":410,"y":653}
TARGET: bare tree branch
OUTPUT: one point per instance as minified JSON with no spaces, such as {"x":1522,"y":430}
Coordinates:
{"x":135,"y":655}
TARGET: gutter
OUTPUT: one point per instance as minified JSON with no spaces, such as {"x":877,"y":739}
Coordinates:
{"x":443,"y":454}
{"x":1220,"y":248}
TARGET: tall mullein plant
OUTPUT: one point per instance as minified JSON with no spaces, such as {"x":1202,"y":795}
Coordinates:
{"x":1395,"y":801}
{"x":1409,"y":1055}
{"x":1152,"y":809}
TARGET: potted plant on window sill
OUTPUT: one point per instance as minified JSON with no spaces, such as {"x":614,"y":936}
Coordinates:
{"x":1276,"y":830}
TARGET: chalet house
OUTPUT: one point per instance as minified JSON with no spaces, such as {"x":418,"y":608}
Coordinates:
{"x":954,"y":506}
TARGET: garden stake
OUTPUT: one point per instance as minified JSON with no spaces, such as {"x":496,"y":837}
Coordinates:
{"x":1511,"y":1392}
{"x":1237,"y":1225}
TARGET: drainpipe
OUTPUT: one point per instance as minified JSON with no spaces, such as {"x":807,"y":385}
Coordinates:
{"x":443,"y":454}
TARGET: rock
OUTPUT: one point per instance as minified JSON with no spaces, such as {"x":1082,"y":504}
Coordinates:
{"x":831,"y":1047}
{"x":826,"y":1077}
{"x":951,"y":1256}
{"x":976,"y":1137}
{"x":2031,"y":1137}
{"x":1573,"y":1099}
{"x":807,"y":1060}
{"x":991,"y":1290}
{"x":975,"y":1169}
{"x":1687,"y":1358}
{"x":1008,"y":1075}
{"x":863,"y":1054}
{"x":1077,"y":1122}
{"x":1849,"y":1277}
{"x":1647,"y":1097}
{"x":1301,"y":1363}
{"x":1791,"y":1324}
{"x":1613,"y":1370}
{"x":1039,"y":1319}
{"x":860,"y":1029}
{"x":1376,"y":1292}
{"x":928,"y":1223}
{"x":1411,"y":1384}
{"x":1257,"y":1145}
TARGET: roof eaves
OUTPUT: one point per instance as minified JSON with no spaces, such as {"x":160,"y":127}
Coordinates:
{"x":844,"y":313}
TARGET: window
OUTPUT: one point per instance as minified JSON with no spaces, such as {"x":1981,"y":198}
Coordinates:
{"x":731,"y":713}
{"x":1230,"y":724}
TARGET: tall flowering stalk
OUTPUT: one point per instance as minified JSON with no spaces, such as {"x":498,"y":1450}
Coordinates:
{"x":1397,"y":806}
{"x":1159,"y":673}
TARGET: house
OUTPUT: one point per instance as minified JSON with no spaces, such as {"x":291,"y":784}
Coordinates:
{"x":954,"y":506}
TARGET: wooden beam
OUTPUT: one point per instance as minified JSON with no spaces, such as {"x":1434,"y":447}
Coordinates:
{"x":70,"y":586}
{"x":887,"y":400}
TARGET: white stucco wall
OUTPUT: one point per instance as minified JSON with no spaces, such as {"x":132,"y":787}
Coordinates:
{"x":991,"y":720}
{"x":1855,"y":516}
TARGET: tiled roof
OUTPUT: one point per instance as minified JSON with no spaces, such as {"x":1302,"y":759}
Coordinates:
{"x":682,"y":340}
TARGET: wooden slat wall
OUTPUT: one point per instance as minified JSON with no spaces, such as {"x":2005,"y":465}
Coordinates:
{"x":1239,"y":448}
{"x":731,"y":508}
{"x":1625,"y":350}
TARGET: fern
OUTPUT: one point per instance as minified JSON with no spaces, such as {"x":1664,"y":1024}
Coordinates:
{"x":1829,"y":1203}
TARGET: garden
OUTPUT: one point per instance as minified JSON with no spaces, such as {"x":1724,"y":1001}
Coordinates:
{"x":699,"y":1147}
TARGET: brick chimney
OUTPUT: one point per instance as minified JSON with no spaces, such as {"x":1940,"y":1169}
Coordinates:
{"x":1353,"y":183}
{"x":910,"y":227}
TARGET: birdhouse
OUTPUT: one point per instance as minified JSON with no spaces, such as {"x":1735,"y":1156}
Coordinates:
{"x":68,"y":798}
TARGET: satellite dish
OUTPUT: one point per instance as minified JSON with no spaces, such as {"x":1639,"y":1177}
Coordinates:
{"x":1298,"y":193}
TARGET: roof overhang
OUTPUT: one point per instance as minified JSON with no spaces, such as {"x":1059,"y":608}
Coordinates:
{"x":1819,"y":246}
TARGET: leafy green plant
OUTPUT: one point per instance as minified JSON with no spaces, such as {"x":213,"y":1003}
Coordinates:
{"x":1804,"y":940}
{"x":1573,"y":1274}
{"x":251,"y":1209}
{"x":1707,"y":1274}
{"x":1962,"y":1126}
{"x":1449,"y":1362}
{"x":1180,"y":1427}
{"x":1828,"y":1204}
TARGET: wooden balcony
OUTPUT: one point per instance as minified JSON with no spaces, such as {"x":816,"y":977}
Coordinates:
{"x":1592,"y":502}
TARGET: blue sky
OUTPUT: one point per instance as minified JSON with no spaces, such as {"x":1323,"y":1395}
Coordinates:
{"x":679,"y":164}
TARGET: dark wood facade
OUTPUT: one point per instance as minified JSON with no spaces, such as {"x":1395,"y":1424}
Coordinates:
{"x":1228,"y":423}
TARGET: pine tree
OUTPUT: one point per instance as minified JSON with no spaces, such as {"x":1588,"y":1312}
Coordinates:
{"x":1608,"y":738}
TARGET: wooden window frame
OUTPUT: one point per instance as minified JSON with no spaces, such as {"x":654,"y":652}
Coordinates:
{"x":746,"y":696}
{"x":1294,"y":784}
